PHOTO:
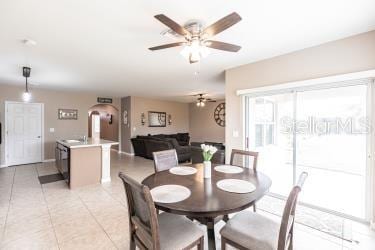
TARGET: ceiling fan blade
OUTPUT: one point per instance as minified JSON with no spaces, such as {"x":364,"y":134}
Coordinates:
{"x":222,"y":46}
{"x":222,"y":24}
{"x":166,"y":46}
{"x":173,"y":25}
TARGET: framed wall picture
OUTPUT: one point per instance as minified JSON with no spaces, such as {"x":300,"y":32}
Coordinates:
{"x":157,"y":119}
{"x":68,"y":114}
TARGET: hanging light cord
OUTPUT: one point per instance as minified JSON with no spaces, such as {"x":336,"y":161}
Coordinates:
{"x":27,"y":86}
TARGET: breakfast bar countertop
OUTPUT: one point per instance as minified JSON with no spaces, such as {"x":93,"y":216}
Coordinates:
{"x":89,"y":143}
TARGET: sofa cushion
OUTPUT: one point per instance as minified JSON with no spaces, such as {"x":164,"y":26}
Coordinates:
{"x":183,"y":136}
{"x":139,"y":147}
{"x":183,"y":150}
{"x":196,"y":144}
{"x":172,"y":136}
{"x":160,"y":136}
{"x":174,"y":142}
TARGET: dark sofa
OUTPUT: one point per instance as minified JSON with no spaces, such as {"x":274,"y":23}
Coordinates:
{"x":144,"y":146}
{"x":183,"y":139}
{"x":218,"y":145}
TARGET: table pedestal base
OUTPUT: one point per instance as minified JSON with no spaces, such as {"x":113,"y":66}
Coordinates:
{"x":210,"y":224}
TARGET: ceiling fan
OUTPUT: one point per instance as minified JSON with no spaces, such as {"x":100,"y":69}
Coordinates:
{"x":201,"y":101}
{"x":196,"y":39}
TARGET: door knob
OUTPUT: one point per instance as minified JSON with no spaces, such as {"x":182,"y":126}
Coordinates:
{"x":39,"y":136}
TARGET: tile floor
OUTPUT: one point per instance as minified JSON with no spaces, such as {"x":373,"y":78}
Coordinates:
{"x":50,"y":216}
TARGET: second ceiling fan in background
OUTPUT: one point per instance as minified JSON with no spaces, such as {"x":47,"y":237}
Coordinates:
{"x":201,"y":101}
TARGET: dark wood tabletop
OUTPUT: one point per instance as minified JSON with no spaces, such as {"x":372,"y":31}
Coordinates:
{"x":207,"y":203}
{"x":206,"y":199}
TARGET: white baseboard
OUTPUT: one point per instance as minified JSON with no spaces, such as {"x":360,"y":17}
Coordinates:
{"x":49,"y":160}
{"x":106,"y":180}
{"x":45,"y":160}
{"x":126,"y":153}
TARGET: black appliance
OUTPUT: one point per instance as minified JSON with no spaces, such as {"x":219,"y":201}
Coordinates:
{"x":63,"y":161}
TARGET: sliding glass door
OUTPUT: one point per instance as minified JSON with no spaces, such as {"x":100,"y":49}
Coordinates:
{"x":266,"y":137}
{"x":323,"y":131}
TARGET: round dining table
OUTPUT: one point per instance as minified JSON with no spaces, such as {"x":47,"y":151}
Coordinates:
{"x":207,"y":203}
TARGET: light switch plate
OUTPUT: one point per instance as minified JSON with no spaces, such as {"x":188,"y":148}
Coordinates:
{"x":51,"y":130}
{"x":235,"y":133}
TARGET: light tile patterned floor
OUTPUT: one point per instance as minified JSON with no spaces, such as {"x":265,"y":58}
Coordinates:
{"x":51,"y":216}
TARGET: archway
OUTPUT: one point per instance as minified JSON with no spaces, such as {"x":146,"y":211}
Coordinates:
{"x":109,"y":121}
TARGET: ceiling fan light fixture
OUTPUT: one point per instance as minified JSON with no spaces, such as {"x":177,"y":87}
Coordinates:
{"x":195,"y":51}
{"x":194,"y":57}
{"x":200,"y":104}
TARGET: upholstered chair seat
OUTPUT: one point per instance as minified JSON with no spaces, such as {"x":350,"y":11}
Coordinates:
{"x":252,"y":230}
{"x":177,"y":232}
{"x":249,"y":230}
{"x":149,"y":230}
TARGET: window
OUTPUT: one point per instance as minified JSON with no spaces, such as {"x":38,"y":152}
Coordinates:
{"x":264,"y":122}
{"x":322,"y":130}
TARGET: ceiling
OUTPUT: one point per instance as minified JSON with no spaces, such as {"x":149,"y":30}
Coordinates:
{"x":101,"y":46}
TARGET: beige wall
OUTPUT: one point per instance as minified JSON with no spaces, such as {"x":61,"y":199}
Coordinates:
{"x":353,"y":54}
{"x":53,"y":100}
{"x":126,"y":129}
{"x":139,"y":105}
{"x":179,"y":112}
{"x":202,"y":123}
{"x":348,"y":55}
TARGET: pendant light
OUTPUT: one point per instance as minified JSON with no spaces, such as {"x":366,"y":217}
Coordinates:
{"x":26,"y":96}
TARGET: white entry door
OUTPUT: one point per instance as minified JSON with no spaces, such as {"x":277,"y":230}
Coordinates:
{"x":24,"y":133}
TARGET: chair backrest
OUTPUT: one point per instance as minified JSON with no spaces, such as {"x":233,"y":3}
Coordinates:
{"x":287,"y":221}
{"x":164,"y":160}
{"x":244,"y":153}
{"x":143,"y":220}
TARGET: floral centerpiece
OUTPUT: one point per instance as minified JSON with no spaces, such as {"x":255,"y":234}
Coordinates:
{"x":208,"y":151}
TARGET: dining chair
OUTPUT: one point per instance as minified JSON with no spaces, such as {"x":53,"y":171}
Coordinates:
{"x":164,"y":160}
{"x":244,"y":153}
{"x":149,"y":230}
{"x":248,"y":230}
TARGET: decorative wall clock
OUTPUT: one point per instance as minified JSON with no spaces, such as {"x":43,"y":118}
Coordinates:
{"x":219,"y":114}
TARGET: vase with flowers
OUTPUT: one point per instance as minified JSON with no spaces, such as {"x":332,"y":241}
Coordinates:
{"x":208,"y":151}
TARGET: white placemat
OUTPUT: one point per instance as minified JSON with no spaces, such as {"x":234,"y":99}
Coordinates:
{"x":236,"y":186}
{"x":170,"y":193}
{"x":182,"y":170}
{"x":229,"y":169}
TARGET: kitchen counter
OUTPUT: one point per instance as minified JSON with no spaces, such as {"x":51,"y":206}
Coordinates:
{"x":84,"y":163}
{"x":89,"y":143}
